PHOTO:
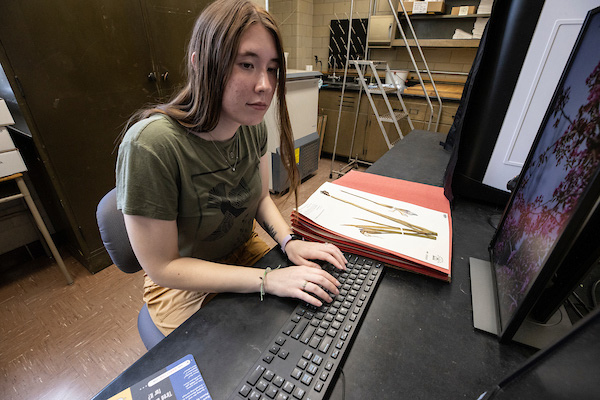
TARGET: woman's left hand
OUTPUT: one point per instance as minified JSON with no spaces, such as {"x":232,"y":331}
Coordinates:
{"x":300,"y":253}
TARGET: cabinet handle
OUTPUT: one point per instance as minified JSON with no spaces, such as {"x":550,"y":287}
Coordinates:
{"x":151,"y":77}
{"x":165,"y":76}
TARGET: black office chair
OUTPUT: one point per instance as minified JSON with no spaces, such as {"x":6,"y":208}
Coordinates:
{"x":115,"y":239}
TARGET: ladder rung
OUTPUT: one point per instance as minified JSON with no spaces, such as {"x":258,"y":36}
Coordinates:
{"x":386,"y":89}
{"x":388,"y":117}
{"x":367,"y":62}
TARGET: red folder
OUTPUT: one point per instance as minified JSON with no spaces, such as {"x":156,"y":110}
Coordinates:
{"x":427,"y":196}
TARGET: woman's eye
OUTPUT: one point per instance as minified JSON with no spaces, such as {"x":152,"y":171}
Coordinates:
{"x":246,"y":65}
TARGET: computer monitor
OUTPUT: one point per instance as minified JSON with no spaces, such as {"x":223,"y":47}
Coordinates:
{"x":555,"y":201}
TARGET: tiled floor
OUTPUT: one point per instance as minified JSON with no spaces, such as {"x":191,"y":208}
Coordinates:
{"x":68,"y":342}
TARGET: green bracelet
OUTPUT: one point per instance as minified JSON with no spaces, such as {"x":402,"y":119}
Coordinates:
{"x":263,"y":279}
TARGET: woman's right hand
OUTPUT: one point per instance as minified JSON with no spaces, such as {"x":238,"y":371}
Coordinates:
{"x":302,"y":282}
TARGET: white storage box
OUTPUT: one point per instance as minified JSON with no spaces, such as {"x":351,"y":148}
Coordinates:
{"x":11,"y":163}
{"x":6,"y":142}
{"x":5,"y":117}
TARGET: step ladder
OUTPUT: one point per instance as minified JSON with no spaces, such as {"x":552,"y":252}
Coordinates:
{"x":390,"y":115}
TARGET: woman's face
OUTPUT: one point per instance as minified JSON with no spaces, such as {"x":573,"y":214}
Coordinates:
{"x":253,"y":80}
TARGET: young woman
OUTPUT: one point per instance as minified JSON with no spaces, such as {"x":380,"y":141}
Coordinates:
{"x":192,"y":175}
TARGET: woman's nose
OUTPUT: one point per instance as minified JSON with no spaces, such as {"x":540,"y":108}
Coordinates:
{"x":264,"y":82}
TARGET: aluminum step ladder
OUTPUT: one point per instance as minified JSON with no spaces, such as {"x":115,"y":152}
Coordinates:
{"x":390,"y":115}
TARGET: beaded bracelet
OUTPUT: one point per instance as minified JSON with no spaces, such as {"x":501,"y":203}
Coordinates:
{"x":263,"y":279}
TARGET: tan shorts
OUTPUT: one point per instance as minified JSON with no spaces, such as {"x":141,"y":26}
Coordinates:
{"x":169,"y":308}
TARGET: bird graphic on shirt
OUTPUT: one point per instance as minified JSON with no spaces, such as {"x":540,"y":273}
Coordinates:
{"x":231,"y":205}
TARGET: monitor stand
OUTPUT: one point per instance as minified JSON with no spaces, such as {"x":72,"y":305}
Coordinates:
{"x":485,"y":312}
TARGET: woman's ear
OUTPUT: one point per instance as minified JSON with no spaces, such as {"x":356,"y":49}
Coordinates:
{"x":194,"y":60}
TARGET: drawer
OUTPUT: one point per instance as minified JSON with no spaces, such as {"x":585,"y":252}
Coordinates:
{"x":11,"y":163}
{"x":448,"y":113}
{"x":6,"y":142}
{"x":416,"y":110}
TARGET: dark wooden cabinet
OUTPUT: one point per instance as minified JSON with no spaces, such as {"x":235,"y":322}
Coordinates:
{"x":79,"y":69}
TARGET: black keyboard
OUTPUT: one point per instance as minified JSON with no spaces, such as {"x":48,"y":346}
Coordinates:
{"x":303,"y":358}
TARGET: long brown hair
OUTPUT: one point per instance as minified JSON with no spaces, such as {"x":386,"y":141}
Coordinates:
{"x":216,"y":40}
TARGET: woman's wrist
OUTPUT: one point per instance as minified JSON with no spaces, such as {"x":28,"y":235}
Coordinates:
{"x":288,"y":239}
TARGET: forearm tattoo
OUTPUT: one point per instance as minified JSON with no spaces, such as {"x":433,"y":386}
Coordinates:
{"x":270,"y":230}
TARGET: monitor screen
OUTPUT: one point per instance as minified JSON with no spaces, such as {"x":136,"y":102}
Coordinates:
{"x":558,"y":188}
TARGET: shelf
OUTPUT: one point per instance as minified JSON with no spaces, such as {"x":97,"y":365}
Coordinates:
{"x":443,"y":16}
{"x":438,"y":42}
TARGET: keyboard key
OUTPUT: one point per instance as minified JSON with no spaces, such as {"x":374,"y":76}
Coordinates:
{"x":308,"y":333}
{"x":283,"y":354}
{"x":298,"y":393}
{"x":269,"y":375}
{"x":314,"y":342}
{"x":312,"y":369}
{"x":268,"y":358}
{"x":245,"y":390}
{"x":307,"y":354}
{"x":256,"y":374}
{"x":318,"y":386}
{"x":271,"y":392}
{"x":282,"y":396}
{"x":254,"y":395}
{"x":288,"y":328}
{"x":288,"y":387}
{"x":325,"y":344}
{"x":296,"y":373}
{"x":302,"y":363}
{"x":299,"y":329}
{"x":278,"y":381}
{"x":261,"y":385}
{"x":324,"y":375}
{"x":306,"y":379}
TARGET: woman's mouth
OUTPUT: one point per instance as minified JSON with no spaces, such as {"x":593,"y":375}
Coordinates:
{"x":259,"y":106}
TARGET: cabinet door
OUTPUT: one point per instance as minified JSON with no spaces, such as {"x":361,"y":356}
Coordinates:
{"x":79,"y":70}
{"x":446,"y":119}
{"x":170,"y":24}
{"x":329,"y":103}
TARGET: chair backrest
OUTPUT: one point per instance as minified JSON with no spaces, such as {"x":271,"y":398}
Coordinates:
{"x":114,"y":234}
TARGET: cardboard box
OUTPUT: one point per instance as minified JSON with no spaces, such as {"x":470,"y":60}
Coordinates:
{"x":464,"y":10}
{"x":423,"y":7}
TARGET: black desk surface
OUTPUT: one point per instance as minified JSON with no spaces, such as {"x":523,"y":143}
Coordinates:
{"x":417,"y":339}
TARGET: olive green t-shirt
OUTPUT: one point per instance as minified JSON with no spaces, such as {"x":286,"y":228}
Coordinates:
{"x":164,"y":172}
